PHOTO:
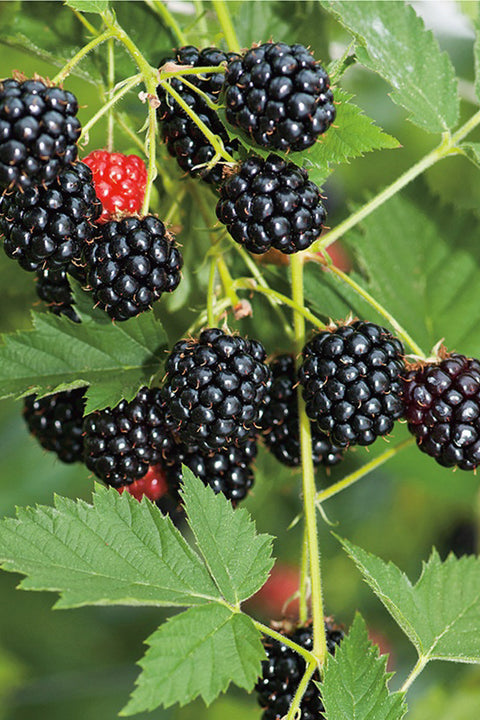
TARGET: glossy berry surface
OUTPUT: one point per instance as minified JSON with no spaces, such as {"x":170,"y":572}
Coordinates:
{"x":152,"y":485}
{"x":271,"y":203}
{"x":56,"y":422}
{"x":119,"y":181}
{"x":280,"y":428}
{"x":131,"y":264}
{"x":53,"y":288}
{"x":280,"y":96}
{"x":47,"y":228}
{"x":442,"y":407}
{"x":38,"y":132}
{"x":215,"y":389}
{"x":185,"y":141}
{"x":283,"y":670}
{"x":351,"y":382}
{"x":122,"y":443}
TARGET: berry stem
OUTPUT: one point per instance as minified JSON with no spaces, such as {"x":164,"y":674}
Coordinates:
{"x":67,"y":69}
{"x":308,"y":476}
{"x":300,"y":692}
{"x":304,"y":581}
{"x":91,"y":29}
{"x":111,"y":84}
{"x":150,"y":148}
{"x":227,"y":25}
{"x":168,"y":19}
{"x":212,"y":105}
{"x":211,"y":292}
{"x":218,"y":308}
{"x":227,"y":282}
{"x":284,"y":640}
{"x":128,"y":85}
{"x":182,"y":71}
{"x":352,"y":478}
{"x":250,"y":284}
{"x":415,"y":672}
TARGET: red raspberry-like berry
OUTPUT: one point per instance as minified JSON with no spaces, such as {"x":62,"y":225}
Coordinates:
{"x":120,"y":182}
{"x":153,"y":484}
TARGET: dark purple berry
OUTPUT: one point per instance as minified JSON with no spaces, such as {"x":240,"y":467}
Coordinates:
{"x":56,"y":421}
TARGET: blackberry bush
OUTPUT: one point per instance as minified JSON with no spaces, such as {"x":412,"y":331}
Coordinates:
{"x":215,"y":389}
{"x":280,"y":96}
{"x":38,"y":132}
{"x":119,"y":181}
{"x":271,"y":203}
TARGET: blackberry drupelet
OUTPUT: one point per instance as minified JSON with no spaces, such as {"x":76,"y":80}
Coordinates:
{"x":271,"y":203}
{"x":280,"y":420}
{"x":53,"y":288}
{"x":227,"y":470}
{"x":47,"y":228}
{"x":119,"y":180}
{"x":56,"y":421}
{"x":38,"y":132}
{"x":284,"y":669}
{"x":351,"y":382}
{"x":122,"y":443}
{"x":442,"y":408}
{"x":215,"y":389}
{"x":130,"y":265}
{"x":185,"y":141}
{"x":152,"y":485}
{"x":280,"y":96}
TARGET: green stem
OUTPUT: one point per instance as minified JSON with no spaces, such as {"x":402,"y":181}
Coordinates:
{"x":207,"y":100}
{"x":202,"y":319}
{"x":304,"y":581}
{"x":174,"y":206}
{"x":297,"y":698}
{"x":111,"y":84}
{"x":352,"y":478}
{"x":135,"y":80}
{"x":211,"y":293}
{"x":227,"y":282}
{"x":201,"y":19}
{"x":306,"y":654}
{"x":308,"y":476}
{"x":152,"y":156}
{"x":250,"y":284}
{"x":67,"y":69}
{"x":227,"y":25}
{"x":92,"y":30}
{"x":401,"y":332}
{"x":415,"y":672}
{"x":182,"y":71}
{"x":162,"y":10}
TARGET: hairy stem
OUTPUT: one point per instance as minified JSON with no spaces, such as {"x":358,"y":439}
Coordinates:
{"x":227,"y":26}
{"x":308,"y":477}
{"x":111,"y":84}
{"x":300,"y":692}
{"x":67,"y":69}
{"x":131,"y":83}
{"x":227,"y":282}
{"x":306,"y":654}
{"x":250,"y":284}
{"x":168,"y":20}
{"x":211,"y":292}
{"x":304,"y":581}
{"x":415,"y":672}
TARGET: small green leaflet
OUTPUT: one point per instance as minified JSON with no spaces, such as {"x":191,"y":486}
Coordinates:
{"x":394,"y":43}
{"x":472,"y":151}
{"x":440,"y":613}
{"x":89,"y":6}
{"x":197,"y":653}
{"x":238,"y":558}
{"x":115,"y":359}
{"x":355,"y":683}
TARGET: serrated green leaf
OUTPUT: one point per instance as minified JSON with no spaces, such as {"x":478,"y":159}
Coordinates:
{"x":472,"y":151}
{"x":440,"y":613}
{"x":89,"y":6}
{"x":397,"y":47}
{"x":114,"y":359}
{"x":355,"y":682}
{"x":197,"y":653}
{"x":239,"y":560}
{"x":116,"y":551}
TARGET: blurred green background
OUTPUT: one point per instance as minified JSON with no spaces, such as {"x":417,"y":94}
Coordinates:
{"x":80,"y":664}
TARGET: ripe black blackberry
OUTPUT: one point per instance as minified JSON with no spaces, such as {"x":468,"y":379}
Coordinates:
{"x":38,"y":132}
{"x":271,"y":203}
{"x":185,"y":141}
{"x":46,"y":228}
{"x":215,"y":389}
{"x":227,"y":470}
{"x":280,"y":420}
{"x":131,"y":263}
{"x":351,"y":382}
{"x":53,"y":288}
{"x":284,"y":669}
{"x":121,"y":443}
{"x":279,"y":95}
{"x":56,"y":421}
{"x":442,"y":407}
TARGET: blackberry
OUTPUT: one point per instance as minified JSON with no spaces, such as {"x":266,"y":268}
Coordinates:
{"x":351,"y":382}
{"x":227,"y":470}
{"x":215,"y":389}
{"x":46,"y":228}
{"x":131,"y":264}
{"x":38,"y":132}
{"x":280,"y":420}
{"x":119,"y":180}
{"x":122,"y":443}
{"x":56,"y":421}
{"x":284,"y":669}
{"x":53,"y":288}
{"x":280,"y":96}
{"x":185,"y":141}
{"x":271,"y":203}
{"x":442,"y":408}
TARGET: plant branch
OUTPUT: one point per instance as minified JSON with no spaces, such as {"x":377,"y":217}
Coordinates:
{"x":135,"y":80}
{"x":164,"y":13}
{"x":211,"y":292}
{"x":415,"y":672}
{"x":111,"y":84}
{"x":227,"y":26}
{"x":304,"y":581}
{"x":227,"y":282}
{"x":67,"y":69}
{"x":306,"y":654}
{"x":300,"y":692}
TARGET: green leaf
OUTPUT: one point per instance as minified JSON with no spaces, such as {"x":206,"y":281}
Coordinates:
{"x":440,"y":613}
{"x":472,"y":151}
{"x":89,"y":6}
{"x":355,"y":683}
{"x":116,"y":551}
{"x":115,"y":359}
{"x":197,"y":653}
{"x":239,"y":560}
{"x":396,"y":45}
